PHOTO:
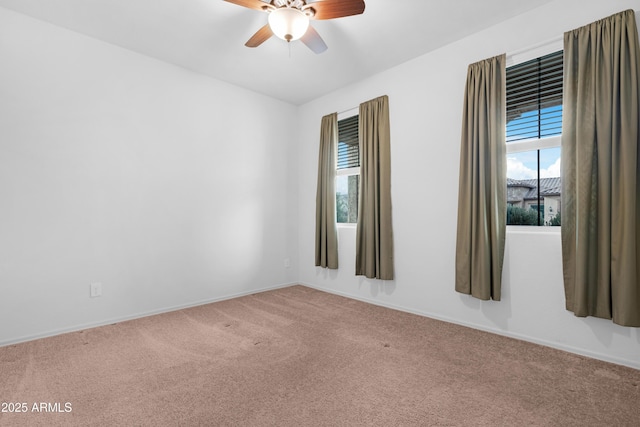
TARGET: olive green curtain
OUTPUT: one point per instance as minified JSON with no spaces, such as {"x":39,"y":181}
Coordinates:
{"x":483,"y":182}
{"x":600,"y":176}
{"x":326,"y":232}
{"x":374,"y":233}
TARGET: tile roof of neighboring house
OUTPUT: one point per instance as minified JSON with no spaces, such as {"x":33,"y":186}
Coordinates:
{"x":519,"y":183}
{"x":548,"y":186}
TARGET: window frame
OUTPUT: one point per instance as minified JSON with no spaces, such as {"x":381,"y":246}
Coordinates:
{"x":346,"y":171}
{"x":534,"y":144}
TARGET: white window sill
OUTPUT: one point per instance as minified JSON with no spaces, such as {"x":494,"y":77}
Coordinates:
{"x":346,"y":225}
{"x":533,"y":229}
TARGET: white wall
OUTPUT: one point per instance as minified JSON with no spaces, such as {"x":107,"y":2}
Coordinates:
{"x":425,"y":98}
{"x":168,"y":187}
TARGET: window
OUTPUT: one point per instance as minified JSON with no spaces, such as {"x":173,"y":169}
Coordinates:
{"x":534,"y":126}
{"x":347,"y":171}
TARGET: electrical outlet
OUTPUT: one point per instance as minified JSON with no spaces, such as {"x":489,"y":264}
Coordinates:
{"x":95,"y":289}
{"x":287,"y":263}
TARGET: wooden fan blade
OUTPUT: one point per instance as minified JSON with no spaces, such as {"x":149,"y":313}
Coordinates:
{"x":330,"y":9}
{"x":313,"y":40}
{"x":251,"y":4}
{"x":261,"y":36}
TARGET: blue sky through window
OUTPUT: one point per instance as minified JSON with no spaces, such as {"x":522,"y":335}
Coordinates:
{"x":524,"y":165}
{"x":535,"y":124}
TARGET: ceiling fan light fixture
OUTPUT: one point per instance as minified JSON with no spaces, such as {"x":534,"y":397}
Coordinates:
{"x":288,"y":23}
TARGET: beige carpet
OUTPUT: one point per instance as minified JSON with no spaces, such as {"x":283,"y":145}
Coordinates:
{"x":300,"y":357}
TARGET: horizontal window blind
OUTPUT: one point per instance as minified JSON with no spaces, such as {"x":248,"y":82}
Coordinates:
{"x":348,"y":147}
{"x":534,"y":98}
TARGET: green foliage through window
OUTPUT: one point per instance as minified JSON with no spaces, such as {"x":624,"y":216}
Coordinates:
{"x":556,"y":220}
{"x":520,"y":216}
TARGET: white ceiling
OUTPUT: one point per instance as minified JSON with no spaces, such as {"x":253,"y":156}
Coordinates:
{"x":208,"y":36}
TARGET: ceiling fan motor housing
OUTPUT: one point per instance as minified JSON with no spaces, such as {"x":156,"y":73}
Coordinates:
{"x":289,"y":19}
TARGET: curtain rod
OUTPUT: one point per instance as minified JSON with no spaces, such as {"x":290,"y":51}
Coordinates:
{"x":546,"y":42}
{"x":535,"y":46}
{"x":351,"y":112}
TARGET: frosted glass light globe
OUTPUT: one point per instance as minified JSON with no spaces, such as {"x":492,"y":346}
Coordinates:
{"x":288,"y":23}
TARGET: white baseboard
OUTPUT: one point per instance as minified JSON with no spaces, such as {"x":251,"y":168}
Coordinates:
{"x":113,"y":320}
{"x":558,"y":346}
{"x":592,"y":354}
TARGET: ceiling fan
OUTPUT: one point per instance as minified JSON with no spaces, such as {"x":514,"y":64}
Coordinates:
{"x":289,"y":19}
